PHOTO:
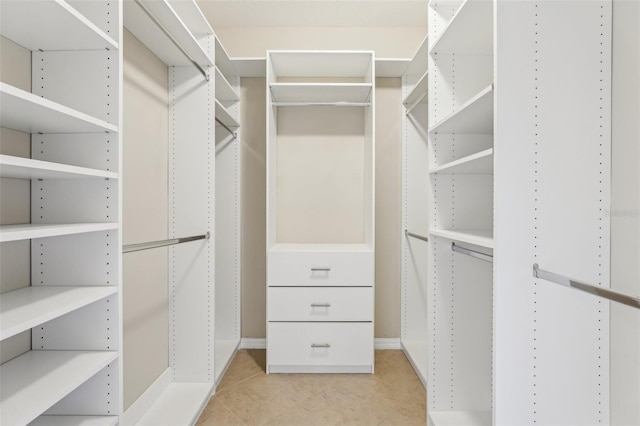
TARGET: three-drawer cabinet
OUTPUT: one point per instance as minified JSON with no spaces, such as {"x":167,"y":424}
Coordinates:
{"x":320,"y":309}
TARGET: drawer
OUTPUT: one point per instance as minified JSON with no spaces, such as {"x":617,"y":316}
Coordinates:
{"x":320,"y":268}
{"x":320,"y":303}
{"x":320,"y":347}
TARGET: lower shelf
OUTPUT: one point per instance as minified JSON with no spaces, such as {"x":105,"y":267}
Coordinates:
{"x":36,"y":380}
{"x":75,"y":421}
{"x":179,"y":404}
{"x":459,"y":418}
{"x":479,"y":238}
{"x":416,"y":352}
{"x":224,"y":350}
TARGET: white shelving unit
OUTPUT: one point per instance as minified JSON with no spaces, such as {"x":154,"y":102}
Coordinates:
{"x":70,"y":312}
{"x":459,"y":288}
{"x":204,"y":191}
{"x":320,"y":232}
{"x":414,"y":211}
{"x":227,"y":214}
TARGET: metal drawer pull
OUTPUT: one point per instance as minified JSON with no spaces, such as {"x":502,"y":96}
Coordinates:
{"x":320,"y":345}
{"x":321,"y":305}
{"x":320,"y":269}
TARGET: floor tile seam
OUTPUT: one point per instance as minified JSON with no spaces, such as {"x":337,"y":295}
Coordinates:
{"x":231,"y":386}
{"x":316,"y":392}
{"x":233,"y":413}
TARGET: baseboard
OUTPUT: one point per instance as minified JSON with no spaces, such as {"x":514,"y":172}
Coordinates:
{"x":379,"y":343}
{"x":253,"y":343}
{"x":147,"y":399}
{"x":387,"y":343}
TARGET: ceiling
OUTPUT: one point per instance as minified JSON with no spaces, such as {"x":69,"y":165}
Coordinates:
{"x":315,"y":13}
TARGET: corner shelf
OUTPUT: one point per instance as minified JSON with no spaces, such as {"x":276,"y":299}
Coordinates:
{"x":223,"y":62}
{"x":33,"y":230}
{"x":391,"y":67}
{"x":419,"y":92}
{"x":51,"y":25}
{"x":456,"y":418}
{"x":137,"y":21}
{"x":30,"y":113}
{"x":321,"y":92}
{"x":480,"y":163}
{"x":478,"y":238}
{"x":420,"y":61}
{"x":470,"y":30}
{"x":474,"y":116}
{"x":26,"y":168}
{"x":223,"y":115}
{"x":224,"y":91}
{"x":31,"y":306}
{"x":36,"y":380}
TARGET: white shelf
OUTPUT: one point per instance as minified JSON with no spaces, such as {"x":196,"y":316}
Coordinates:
{"x":29,"y":307}
{"x":474,"y":116}
{"x":418,"y":94}
{"x":341,"y":63}
{"x":478,"y":238}
{"x":480,"y":163}
{"x":420,"y":61}
{"x":179,"y":404}
{"x":223,"y":115}
{"x":391,"y":67}
{"x":250,"y":67}
{"x":223,"y":62}
{"x":321,"y":92}
{"x":29,"y":113}
{"x":75,"y":421}
{"x":459,"y":418}
{"x":139,"y":23}
{"x":50,"y":25}
{"x":224,"y":350}
{"x":416,"y":352}
{"x":470,"y":30}
{"x":26,"y":168}
{"x":331,"y":248}
{"x":224,"y":91}
{"x":32,"y":230}
{"x":36,"y":380}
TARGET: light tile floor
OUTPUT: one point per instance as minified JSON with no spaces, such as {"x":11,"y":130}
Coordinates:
{"x":248,"y":396}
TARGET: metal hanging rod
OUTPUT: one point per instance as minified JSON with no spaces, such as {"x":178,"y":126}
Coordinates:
{"x":605,"y":293}
{"x":411,"y":234}
{"x":226,"y":127}
{"x":155,"y":244}
{"x":415,"y":104}
{"x":358,"y":104}
{"x":472,"y":253}
{"x":173,"y":40}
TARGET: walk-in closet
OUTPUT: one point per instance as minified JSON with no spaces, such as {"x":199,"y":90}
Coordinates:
{"x":359,"y":212}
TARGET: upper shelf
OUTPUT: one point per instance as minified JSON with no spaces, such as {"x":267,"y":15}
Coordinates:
{"x":478,"y":238}
{"x":149,"y":33}
{"x":419,"y":63}
{"x":223,"y":62}
{"x":51,"y":25}
{"x":480,"y":163}
{"x":35,"y":230}
{"x":26,"y":168}
{"x":224,"y":90}
{"x":223,"y":115}
{"x":34,"y":381}
{"x":29,"y":113}
{"x":475,"y":116}
{"x":321,"y":92}
{"x":322,"y":64}
{"x":470,"y":30}
{"x":31,"y":306}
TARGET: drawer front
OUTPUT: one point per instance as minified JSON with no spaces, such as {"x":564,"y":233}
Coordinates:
{"x":320,"y":303}
{"x":320,"y":269}
{"x":319,"y":344}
